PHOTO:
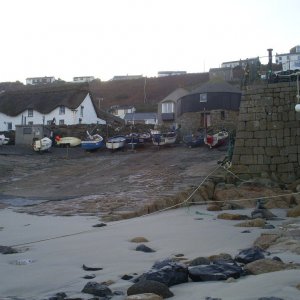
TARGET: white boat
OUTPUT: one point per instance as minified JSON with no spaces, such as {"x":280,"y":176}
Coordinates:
{"x":3,"y":140}
{"x":42,"y":145}
{"x":67,"y":141}
{"x":160,"y":139}
{"x":116,"y":142}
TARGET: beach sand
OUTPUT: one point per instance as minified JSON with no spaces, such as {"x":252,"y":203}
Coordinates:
{"x":55,"y":248}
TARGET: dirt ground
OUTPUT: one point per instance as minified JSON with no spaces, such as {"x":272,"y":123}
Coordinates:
{"x":74,"y":182}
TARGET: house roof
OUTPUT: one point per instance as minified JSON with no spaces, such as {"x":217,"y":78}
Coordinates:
{"x":216,"y":86}
{"x":140,"y":116}
{"x":43,"y":100}
{"x":175,"y":95}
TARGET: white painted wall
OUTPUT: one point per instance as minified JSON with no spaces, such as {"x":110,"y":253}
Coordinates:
{"x":70,"y":117}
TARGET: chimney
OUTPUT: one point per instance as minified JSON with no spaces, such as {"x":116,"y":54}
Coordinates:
{"x":270,"y":58}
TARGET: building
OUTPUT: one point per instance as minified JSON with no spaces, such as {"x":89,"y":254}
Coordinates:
{"x":127,"y":77}
{"x":213,"y":104}
{"x":242,"y":62}
{"x":121,"y":110}
{"x":140,"y":118}
{"x":40,"y":80}
{"x":82,"y":79}
{"x":170,"y":73}
{"x":291,"y":60}
{"x":60,"y":105}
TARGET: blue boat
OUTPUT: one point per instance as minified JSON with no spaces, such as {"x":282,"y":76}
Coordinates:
{"x":193,"y":140}
{"x":93,"y":142}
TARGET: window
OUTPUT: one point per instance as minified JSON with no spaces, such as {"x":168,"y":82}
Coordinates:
{"x":61,"y":110}
{"x":49,"y":122}
{"x":30,"y":112}
{"x":280,"y":58}
{"x":9,"y":126}
{"x":167,"y":107}
{"x":61,"y":122}
{"x":203,"y":97}
{"x":81,"y":111}
{"x":30,"y":123}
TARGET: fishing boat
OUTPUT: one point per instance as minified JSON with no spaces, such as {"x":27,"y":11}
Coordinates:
{"x":134,"y":139}
{"x":3,"y":140}
{"x":216,"y":140}
{"x":67,"y":141}
{"x":116,"y":142}
{"x":41,"y":145}
{"x":93,"y":142}
{"x":161,"y":139}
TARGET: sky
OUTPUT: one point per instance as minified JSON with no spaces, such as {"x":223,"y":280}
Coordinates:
{"x":105,"y":38}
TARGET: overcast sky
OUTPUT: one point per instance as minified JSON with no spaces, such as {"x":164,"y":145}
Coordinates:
{"x":104,"y":38}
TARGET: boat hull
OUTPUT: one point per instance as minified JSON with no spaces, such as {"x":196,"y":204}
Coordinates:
{"x":162,"y":139}
{"x":41,"y":145}
{"x":92,"y":145}
{"x":115,"y":143}
{"x":68,"y":142}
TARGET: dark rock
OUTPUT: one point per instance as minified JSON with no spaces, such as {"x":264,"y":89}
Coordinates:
{"x":97,"y":289}
{"x":249,"y":255}
{"x":59,"y":296}
{"x":210,"y":298}
{"x":118,"y":293}
{"x":215,"y":272}
{"x":7,"y":250}
{"x":270,"y":298}
{"x":92,"y":276}
{"x":277,"y":258}
{"x":85,"y":268}
{"x":126,"y":277}
{"x":162,"y":263}
{"x":150,"y":286}
{"x":100,"y":225}
{"x":171,"y":274}
{"x":269,"y":226}
{"x":144,"y":248}
{"x":199,"y":261}
{"x":246,"y":231}
{"x":262,"y":213}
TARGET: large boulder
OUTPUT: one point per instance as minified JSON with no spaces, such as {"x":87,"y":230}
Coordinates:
{"x":216,"y":271}
{"x":171,"y":273}
{"x":150,"y":286}
{"x":266,"y":240}
{"x":294,"y":212}
{"x":97,"y":289}
{"x":249,"y":255}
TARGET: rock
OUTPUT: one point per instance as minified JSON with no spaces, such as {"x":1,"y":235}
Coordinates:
{"x":139,"y":239}
{"x":170,"y":274}
{"x":58,"y":296}
{"x":92,"y":276}
{"x":220,"y":257}
{"x":263,"y":214}
{"x":100,"y":225}
{"x":266,"y":240}
{"x":85,"y":268}
{"x":270,"y":298}
{"x":249,"y":255}
{"x":252,"y":223}
{"x":227,"y":216}
{"x":145,"y":296}
{"x":215,"y":272}
{"x":150,"y":286}
{"x":162,"y":263}
{"x":266,"y":266}
{"x":144,"y":248}
{"x":294,"y":212}
{"x":7,"y":250}
{"x":214,"y":207}
{"x":199,"y":261}
{"x":126,"y":277}
{"x":96,"y":289}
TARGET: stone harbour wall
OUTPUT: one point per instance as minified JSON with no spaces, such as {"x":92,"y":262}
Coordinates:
{"x":268,"y":133}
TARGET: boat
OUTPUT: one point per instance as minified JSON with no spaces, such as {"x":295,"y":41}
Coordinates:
{"x":67,"y":141}
{"x":160,"y":139}
{"x":41,"y":145}
{"x":3,"y":140}
{"x":194,"y":140}
{"x":216,"y":140}
{"x":116,"y":142}
{"x":93,"y":142}
{"x":134,"y":139}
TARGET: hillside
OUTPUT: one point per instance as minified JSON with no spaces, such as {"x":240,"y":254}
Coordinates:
{"x":144,"y":92}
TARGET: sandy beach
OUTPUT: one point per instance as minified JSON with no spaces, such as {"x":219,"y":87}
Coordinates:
{"x":53,"y":250}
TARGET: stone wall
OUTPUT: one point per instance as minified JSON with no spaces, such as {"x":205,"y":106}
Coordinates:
{"x":268,"y":133}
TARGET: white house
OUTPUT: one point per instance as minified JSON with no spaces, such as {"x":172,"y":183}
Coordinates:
{"x":141,"y":118}
{"x":242,"y":62}
{"x":121,"y":110}
{"x":60,"y":105}
{"x":291,"y":60}
{"x":83,"y":79}
{"x":40,"y":80}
